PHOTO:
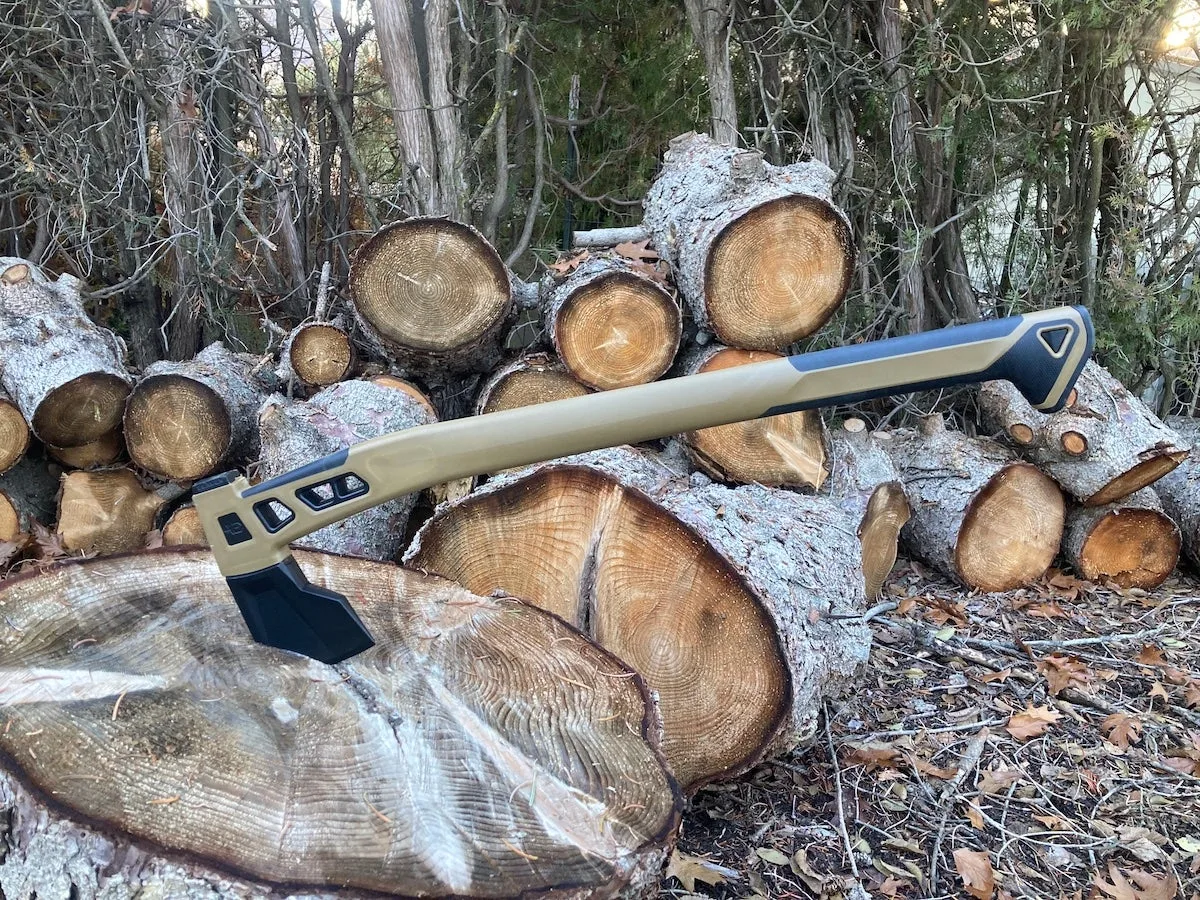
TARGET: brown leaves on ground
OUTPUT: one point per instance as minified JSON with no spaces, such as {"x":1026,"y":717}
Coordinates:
{"x":687,"y":870}
{"x":569,"y":264}
{"x":1138,"y":885}
{"x":1122,"y":729}
{"x":1063,"y":671}
{"x":975,"y":869}
{"x":639,"y":250}
{"x":1031,"y":722}
{"x":1150,"y":656}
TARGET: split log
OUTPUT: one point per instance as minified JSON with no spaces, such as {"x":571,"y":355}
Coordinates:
{"x":612,"y":326}
{"x":779,"y":451}
{"x":66,"y":374}
{"x":185,"y":419}
{"x":720,"y":598}
{"x":759,"y":252}
{"x":429,"y":291}
{"x":316,"y":355}
{"x":183,"y":529}
{"x":108,"y":511}
{"x":1104,"y":446}
{"x":1131,"y":543}
{"x":978,"y":513}
{"x":1179,"y":489}
{"x":534,"y":378}
{"x":101,"y":452}
{"x":295,"y":432}
{"x":482,"y":749}
{"x":14,"y":433}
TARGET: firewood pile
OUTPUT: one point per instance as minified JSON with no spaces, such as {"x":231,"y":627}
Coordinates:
{"x":708,"y":592}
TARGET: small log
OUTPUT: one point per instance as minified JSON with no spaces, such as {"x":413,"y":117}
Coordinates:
{"x":185,"y":419}
{"x":108,"y":511}
{"x":482,"y":749}
{"x":1131,"y":543}
{"x":978,"y":513}
{"x":295,"y":432}
{"x":530,"y":379}
{"x":720,"y":598}
{"x":66,"y":374}
{"x":779,"y":451}
{"x":104,"y":451}
{"x":30,"y":488}
{"x":432,"y":292}
{"x":1179,"y":489}
{"x":1104,"y":446}
{"x":612,"y":326}
{"x":759,"y":252}
{"x":14,"y":433}
{"x":183,"y":529}
{"x":316,"y":355}
{"x":602,"y":238}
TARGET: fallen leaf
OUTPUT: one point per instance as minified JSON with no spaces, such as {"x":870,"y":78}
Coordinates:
{"x":1121,"y":729}
{"x":802,"y":870}
{"x":1031,"y":722}
{"x":570,"y":264}
{"x":773,"y":856}
{"x":1001,"y":676}
{"x":1157,"y":690}
{"x":1144,"y":886}
{"x":975,"y":816}
{"x":1047,"y":610}
{"x":906,"y":606}
{"x":927,"y":768}
{"x":1054,"y":823}
{"x":1142,"y":843}
{"x":1175,"y":675}
{"x":1063,"y":671}
{"x":942,"y":611}
{"x":638,"y":250}
{"x":1182,"y":764}
{"x":1150,"y":655}
{"x":993,"y":781}
{"x":975,"y":869}
{"x":874,"y":756}
{"x":1191,"y":693}
{"x":687,"y":870}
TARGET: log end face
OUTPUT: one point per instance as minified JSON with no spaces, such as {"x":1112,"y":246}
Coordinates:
{"x":14,"y":435}
{"x":1134,"y":548}
{"x":177,"y":427}
{"x":879,"y":534}
{"x":83,"y":410}
{"x":1144,"y":473}
{"x":102,"y":452}
{"x":531,"y":385}
{"x":321,"y":355}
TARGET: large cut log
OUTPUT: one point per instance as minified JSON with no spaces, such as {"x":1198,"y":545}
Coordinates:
{"x":185,"y":419}
{"x":431,"y":291}
{"x":978,"y":513}
{"x":66,"y":374}
{"x":482,"y":749}
{"x":720,"y":598}
{"x":295,"y":432}
{"x":14,"y":432}
{"x":1131,"y":543}
{"x":104,"y":451}
{"x":1179,"y":489}
{"x":759,"y":252}
{"x":533,"y":378}
{"x":1104,"y":446}
{"x":612,"y":326}
{"x":108,"y":511}
{"x":778,"y":451}
{"x":316,"y":355}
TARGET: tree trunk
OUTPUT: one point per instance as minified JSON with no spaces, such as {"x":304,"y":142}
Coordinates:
{"x":1104,"y":446}
{"x":760,"y":253}
{"x":108,"y":511}
{"x":710,"y":21}
{"x":977,"y":513}
{"x":66,"y":374}
{"x":482,"y":749}
{"x":297,"y":432}
{"x":535,"y":378}
{"x":1179,"y":489}
{"x":720,"y":598}
{"x":1132,"y":542}
{"x":612,"y":326}
{"x":184,"y":420}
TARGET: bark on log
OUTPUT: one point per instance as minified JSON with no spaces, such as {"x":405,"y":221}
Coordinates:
{"x":295,"y":432}
{"x":14,"y":433}
{"x":109,"y":511}
{"x":978,"y":513}
{"x":720,"y":598}
{"x":1104,"y":446}
{"x":759,"y":252}
{"x":530,"y":379}
{"x":432,"y":292}
{"x":30,"y":488}
{"x":66,"y":374}
{"x":1179,"y":489}
{"x":14,"y":270}
{"x":602,"y":238}
{"x":480,"y":749}
{"x":316,"y":355}
{"x":185,"y":419}
{"x":1132,"y":542}
{"x":779,"y":451}
{"x":612,"y":326}
{"x":395,"y":382}
{"x":183,"y":529}
{"x":101,"y":452}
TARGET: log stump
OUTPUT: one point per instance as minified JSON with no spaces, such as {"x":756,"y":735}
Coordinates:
{"x":1131,"y":543}
{"x":66,"y":374}
{"x":978,"y":513}
{"x":612,"y":326}
{"x":1104,"y":446}
{"x":719,"y":598}
{"x":779,"y":451}
{"x":184,"y":420}
{"x":316,"y":355}
{"x":295,"y":432}
{"x":108,"y":511}
{"x":530,"y":379}
{"x":760,"y":253}
{"x":429,"y":291}
{"x":482,"y":749}
{"x":1179,"y":489}
{"x":104,"y":451}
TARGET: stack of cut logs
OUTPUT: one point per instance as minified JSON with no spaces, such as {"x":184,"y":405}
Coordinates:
{"x":708,"y":591}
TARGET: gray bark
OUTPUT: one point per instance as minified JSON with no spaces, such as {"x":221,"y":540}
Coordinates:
{"x":1179,"y":490}
{"x":1143,"y":561}
{"x":710,"y":21}
{"x":860,"y":461}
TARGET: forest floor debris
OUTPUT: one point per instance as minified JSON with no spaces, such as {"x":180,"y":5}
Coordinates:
{"x":1038,"y":743}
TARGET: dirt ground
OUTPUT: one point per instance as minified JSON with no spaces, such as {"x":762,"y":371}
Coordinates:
{"x":1039,"y":743}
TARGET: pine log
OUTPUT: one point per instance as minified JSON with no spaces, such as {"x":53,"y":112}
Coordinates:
{"x":978,"y":513}
{"x":183,"y":529}
{"x":760,"y":253}
{"x":432,"y":292}
{"x":779,"y":451}
{"x":185,"y":419}
{"x":720,"y":598}
{"x":14,"y":433}
{"x":104,"y":451}
{"x":30,"y":489}
{"x":316,"y":355}
{"x":395,"y":382}
{"x":66,"y":374}
{"x":533,"y":378}
{"x":108,"y":511}
{"x":1179,"y":489}
{"x":1103,"y":447}
{"x":1131,"y":543}
{"x":612,"y":326}
{"x":295,"y":432}
{"x":482,"y":749}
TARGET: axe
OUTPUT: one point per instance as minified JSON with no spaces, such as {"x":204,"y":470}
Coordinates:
{"x":250,"y":526}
